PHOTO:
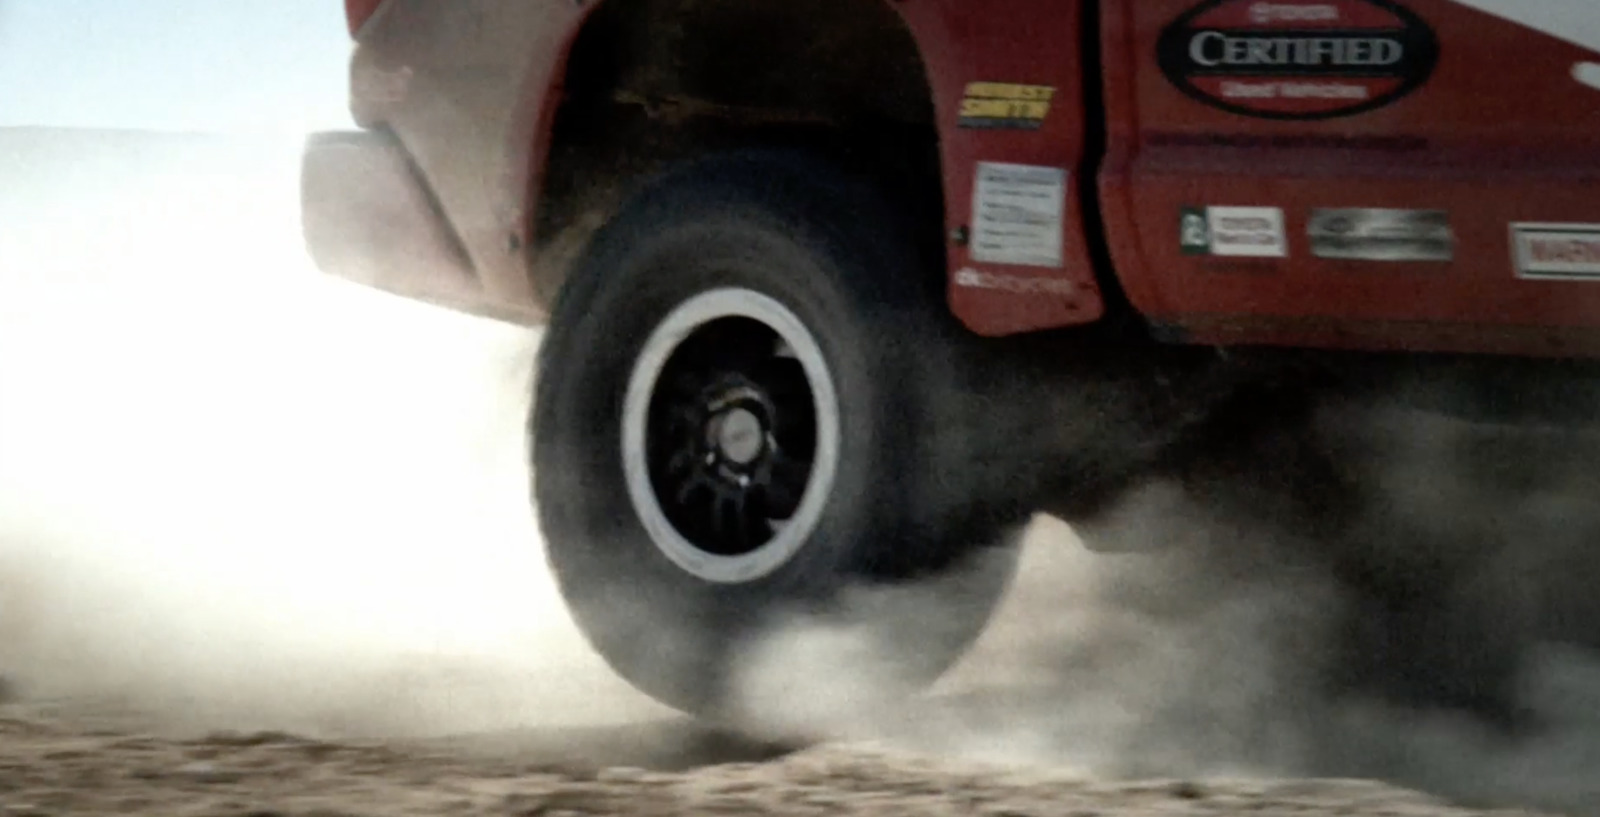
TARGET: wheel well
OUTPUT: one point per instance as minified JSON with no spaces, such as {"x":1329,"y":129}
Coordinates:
{"x":651,"y":82}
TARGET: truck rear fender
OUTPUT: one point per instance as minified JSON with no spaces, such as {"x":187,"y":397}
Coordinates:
{"x":920,"y":87}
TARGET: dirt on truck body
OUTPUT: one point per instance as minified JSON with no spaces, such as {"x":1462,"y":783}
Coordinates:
{"x":839,"y":295}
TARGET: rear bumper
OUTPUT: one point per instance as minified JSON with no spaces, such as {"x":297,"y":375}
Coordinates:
{"x":368,"y":217}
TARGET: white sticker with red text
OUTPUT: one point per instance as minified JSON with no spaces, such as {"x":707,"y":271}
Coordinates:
{"x":1556,"y":252}
{"x":1235,"y":232}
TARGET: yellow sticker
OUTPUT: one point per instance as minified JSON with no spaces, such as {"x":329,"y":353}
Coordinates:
{"x":1006,"y":105}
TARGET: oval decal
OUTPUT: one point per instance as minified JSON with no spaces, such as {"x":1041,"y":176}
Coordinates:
{"x":1298,"y":59}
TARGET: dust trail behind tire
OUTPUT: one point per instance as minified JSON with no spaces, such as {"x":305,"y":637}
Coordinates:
{"x":1213,"y":658}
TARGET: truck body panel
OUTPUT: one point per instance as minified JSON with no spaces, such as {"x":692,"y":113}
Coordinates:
{"x":1396,"y":224}
{"x":469,"y":88}
{"x":1373,"y":174}
{"x":980,"y":58}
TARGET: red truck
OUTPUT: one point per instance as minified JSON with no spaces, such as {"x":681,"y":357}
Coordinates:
{"x":840,"y":293}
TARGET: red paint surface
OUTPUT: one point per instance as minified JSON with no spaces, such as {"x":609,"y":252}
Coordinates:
{"x":358,"y":12}
{"x":1017,"y":41}
{"x":1502,"y":140}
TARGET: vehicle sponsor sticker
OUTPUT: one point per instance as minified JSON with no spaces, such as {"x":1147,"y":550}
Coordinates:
{"x":1381,"y":234}
{"x":1557,"y":252}
{"x":1233,"y":232}
{"x":1298,"y":59}
{"x":1376,"y":142}
{"x":1006,"y":105}
{"x":970,"y":278}
{"x":1017,"y":213}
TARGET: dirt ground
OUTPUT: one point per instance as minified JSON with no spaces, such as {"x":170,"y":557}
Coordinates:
{"x":1062,"y":711}
{"x":52,"y":767}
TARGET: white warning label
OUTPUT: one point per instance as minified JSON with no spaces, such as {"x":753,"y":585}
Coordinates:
{"x":1017,"y":214}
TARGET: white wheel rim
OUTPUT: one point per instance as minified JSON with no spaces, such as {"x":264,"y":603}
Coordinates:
{"x":789,"y":538}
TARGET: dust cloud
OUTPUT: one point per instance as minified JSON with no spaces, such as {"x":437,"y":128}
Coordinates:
{"x":244,"y":495}
{"x":236,"y":494}
{"x":1223,"y":655}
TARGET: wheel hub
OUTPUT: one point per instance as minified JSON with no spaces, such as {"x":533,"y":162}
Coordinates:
{"x":739,"y":436}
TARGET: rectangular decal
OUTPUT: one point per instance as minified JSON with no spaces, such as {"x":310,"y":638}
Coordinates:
{"x":1006,"y":105}
{"x":1233,"y":232}
{"x":1381,"y":234}
{"x":1557,"y":252}
{"x":969,"y":278}
{"x":1017,"y":213}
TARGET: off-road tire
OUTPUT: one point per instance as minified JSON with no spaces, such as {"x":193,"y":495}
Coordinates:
{"x":834,"y":251}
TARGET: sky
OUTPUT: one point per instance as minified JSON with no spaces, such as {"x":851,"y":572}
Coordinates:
{"x":180,"y":65}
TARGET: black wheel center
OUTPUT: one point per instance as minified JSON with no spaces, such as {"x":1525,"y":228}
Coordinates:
{"x":731,"y":437}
